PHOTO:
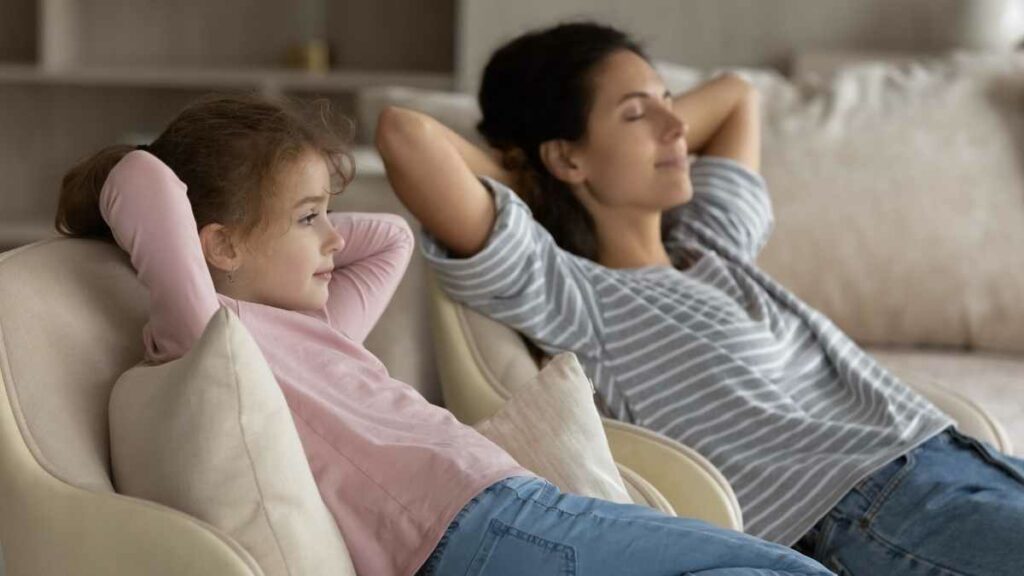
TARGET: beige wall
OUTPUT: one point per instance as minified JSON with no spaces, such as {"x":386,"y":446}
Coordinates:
{"x":710,"y":33}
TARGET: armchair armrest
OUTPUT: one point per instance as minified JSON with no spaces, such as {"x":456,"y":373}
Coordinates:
{"x":971,"y":419}
{"x":692,"y":486}
{"x":51,"y":528}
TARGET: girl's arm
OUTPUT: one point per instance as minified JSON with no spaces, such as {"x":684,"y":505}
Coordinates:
{"x":723,"y":119}
{"x":144,"y":204}
{"x":367,"y":269}
{"x":435,"y":173}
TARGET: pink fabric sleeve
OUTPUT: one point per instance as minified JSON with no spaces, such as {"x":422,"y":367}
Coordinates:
{"x":367,"y":269}
{"x":145,"y":205}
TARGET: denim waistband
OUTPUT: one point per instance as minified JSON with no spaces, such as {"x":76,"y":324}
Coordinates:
{"x":513,"y":483}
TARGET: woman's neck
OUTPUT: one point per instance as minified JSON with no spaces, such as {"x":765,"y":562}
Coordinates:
{"x":630,"y":240}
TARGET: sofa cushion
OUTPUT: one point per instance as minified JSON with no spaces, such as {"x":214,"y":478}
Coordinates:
{"x":210,"y":434}
{"x":550,"y":426}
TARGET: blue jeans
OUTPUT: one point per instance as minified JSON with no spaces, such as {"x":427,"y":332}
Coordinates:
{"x":953,"y":506}
{"x":526,"y":526}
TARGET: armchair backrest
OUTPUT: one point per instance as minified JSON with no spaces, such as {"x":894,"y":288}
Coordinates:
{"x":71,"y":316}
{"x":480,"y":361}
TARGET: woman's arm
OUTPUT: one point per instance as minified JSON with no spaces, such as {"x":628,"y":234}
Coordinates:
{"x":367,"y":269}
{"x":723,"y":119}
{"x":435,"y":174}
{"x":145,"y":205}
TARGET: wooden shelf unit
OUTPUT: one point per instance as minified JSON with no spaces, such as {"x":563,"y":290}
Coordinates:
{"x":77,"y":75}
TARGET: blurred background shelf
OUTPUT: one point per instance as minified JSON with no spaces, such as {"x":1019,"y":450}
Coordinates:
{"x":78,"y":75}
{"x":270,"y":81}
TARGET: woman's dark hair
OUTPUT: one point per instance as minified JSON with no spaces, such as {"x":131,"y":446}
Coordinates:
{"x":228,"y":150}
{"x":538,"y":88}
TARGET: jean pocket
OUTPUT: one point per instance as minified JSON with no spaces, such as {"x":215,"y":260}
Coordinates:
{"x":888,"y":485}
{"x":509,"y":551}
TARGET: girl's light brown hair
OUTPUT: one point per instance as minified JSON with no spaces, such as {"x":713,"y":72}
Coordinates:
{"x":228,"y":151}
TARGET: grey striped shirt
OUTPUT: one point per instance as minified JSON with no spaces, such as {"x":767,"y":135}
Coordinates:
{"x":712,"y":353}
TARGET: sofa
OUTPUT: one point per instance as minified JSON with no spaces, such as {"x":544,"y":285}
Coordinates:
{"x":898,"y":190}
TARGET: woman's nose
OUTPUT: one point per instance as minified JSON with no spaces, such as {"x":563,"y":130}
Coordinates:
{"x":677,"y":127}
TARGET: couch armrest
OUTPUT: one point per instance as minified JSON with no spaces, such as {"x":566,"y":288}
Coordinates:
{"x":51,"y":528}
{"x":643,"y":492}
{"x":693,"y":486}
{"x":971,"y":419}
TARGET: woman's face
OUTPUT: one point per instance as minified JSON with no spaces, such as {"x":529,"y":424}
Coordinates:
{"x":634,"y":153}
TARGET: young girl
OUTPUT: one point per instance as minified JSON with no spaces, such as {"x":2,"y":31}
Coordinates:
{"x":641,"y":262}
{"x":228,"y":207}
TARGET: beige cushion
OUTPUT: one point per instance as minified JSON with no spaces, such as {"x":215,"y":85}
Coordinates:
{"x":551,"y":427}
{"x":211,"y":435}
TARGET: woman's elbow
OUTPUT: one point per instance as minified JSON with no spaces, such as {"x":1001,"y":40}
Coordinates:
{"x":399,"y":128}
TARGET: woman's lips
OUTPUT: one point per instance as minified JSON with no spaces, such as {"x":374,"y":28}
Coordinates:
{"x":676,"y":162}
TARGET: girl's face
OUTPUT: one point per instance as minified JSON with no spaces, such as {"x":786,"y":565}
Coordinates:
{"x":288,"y":263}
{"x":634,"y":153}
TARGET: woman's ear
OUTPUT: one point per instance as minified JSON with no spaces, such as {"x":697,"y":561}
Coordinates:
{"x":557,"y":156}
{"x":219,"y":247}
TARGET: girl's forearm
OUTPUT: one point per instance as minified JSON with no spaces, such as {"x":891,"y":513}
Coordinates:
{"x":707,"y":108}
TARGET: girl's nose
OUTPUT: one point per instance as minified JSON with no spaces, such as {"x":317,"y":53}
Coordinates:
{"x":334,"y":241}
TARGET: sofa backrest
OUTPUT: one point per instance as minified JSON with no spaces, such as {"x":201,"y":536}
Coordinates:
{"x":71,"y":316}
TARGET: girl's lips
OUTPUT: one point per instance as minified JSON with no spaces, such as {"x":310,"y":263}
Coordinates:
{"x":323,"y":275}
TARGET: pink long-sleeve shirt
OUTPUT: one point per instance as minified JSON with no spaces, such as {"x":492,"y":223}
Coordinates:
{"x":393,"y":469}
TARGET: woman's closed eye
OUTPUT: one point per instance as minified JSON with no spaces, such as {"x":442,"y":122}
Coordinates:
{"x":634,"y":114}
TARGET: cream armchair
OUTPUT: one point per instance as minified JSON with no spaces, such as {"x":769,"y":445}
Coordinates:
{"x":481,"y":362}
{"x":71,"y":315}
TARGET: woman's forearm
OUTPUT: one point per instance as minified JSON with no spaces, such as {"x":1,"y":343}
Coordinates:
{"x":706,"y":107}
{"x":723,"y":118}
{"x":434,"y":172}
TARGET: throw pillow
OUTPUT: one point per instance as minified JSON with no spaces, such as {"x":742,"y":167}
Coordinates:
{"x":210,"y":434}
{"x":551,"y":427}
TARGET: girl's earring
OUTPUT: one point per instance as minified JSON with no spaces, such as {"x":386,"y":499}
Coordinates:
{"x":231,"y":277}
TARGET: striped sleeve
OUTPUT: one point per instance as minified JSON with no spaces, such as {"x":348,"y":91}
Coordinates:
{"x":522,"y":279}
{"x":730,"y":206}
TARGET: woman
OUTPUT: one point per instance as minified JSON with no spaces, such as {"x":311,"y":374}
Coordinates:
{"x":641,"y":262}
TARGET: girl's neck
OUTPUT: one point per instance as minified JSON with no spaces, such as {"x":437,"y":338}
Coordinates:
{"x":631,"y":240}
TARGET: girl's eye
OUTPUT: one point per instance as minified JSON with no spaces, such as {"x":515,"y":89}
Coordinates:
{"x":308,"y":219}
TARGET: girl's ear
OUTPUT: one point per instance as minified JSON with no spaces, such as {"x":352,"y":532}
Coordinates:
{"x":557,"y":156}
{"x":219,"y":247}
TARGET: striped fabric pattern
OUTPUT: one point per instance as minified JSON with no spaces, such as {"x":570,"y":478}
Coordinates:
{"x":713,"y":352}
